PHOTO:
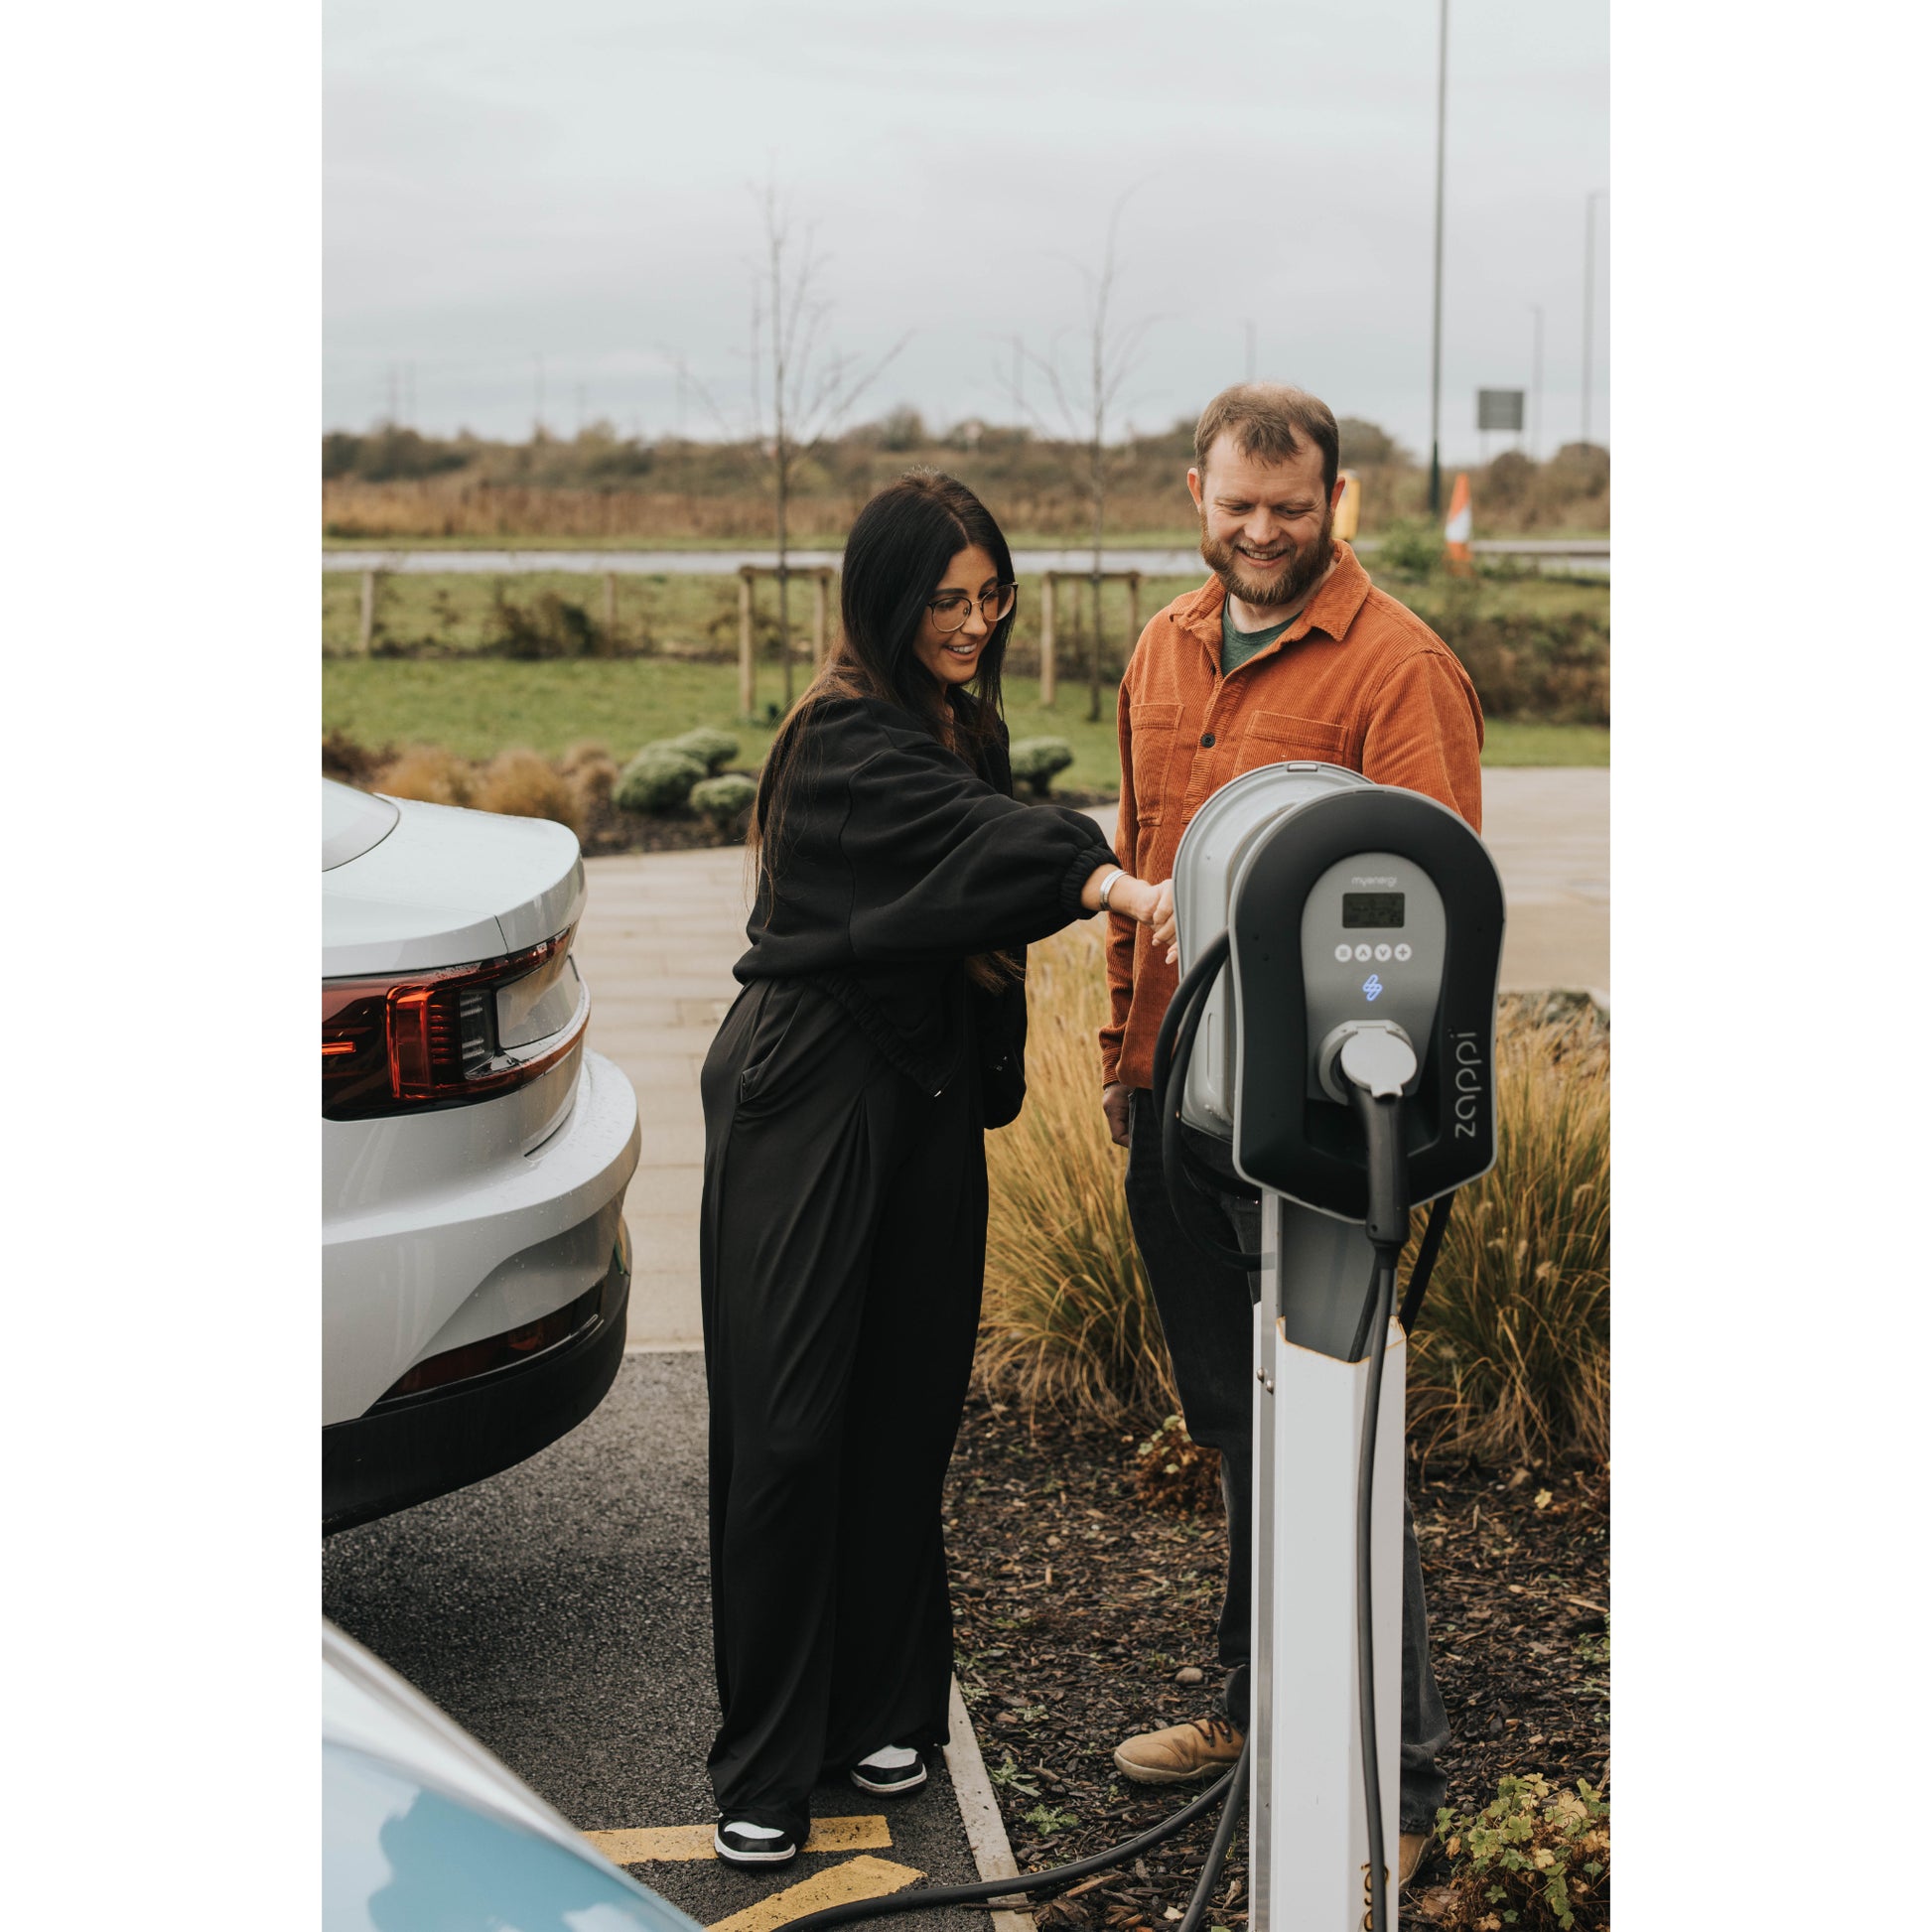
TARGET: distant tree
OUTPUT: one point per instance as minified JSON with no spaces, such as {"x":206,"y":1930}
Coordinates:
{"x":1086,"y":396}
{"x":1365,"y":446}
{"x":812,"y":388}
{"x":903,"y":429}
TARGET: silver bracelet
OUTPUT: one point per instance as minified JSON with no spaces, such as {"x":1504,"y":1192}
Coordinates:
{"x":1108,"y":884}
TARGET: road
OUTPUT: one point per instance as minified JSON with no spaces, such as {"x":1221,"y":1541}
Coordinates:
{"x":561,"y":1614}
{"x":662,"y":930}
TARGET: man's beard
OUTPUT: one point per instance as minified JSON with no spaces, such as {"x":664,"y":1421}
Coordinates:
{"x":1303,"y":571}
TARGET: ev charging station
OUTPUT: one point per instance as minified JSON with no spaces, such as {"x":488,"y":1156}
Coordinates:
{"x":1340,"y":943}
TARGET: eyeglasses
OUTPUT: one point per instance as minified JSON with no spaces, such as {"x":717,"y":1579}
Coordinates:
{"x":951,"y":611}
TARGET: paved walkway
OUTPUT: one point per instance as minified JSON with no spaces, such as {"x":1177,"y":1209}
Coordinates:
{"x":662,"y":930}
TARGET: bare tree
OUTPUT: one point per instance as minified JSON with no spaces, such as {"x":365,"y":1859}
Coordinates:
{"x":1087,"y":396}
{"x":802,"y":389}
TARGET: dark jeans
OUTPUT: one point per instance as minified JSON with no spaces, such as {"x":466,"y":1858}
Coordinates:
{"x":1207,"y":1315}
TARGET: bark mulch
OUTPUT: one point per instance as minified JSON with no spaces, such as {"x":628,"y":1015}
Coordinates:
{"x":1078,"y":1607}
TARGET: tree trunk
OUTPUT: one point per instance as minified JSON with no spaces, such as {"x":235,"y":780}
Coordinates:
{"x":785,"y":572}
{"x":1099,"y":484}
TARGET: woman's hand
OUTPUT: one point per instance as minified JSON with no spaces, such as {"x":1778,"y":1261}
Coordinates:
{"x":1133,"y":899}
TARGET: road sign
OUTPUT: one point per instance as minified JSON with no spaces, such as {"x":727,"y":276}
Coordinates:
{"x":1499,"y":409}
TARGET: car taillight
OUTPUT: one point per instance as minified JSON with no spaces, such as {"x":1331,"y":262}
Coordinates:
{"x":431,"y":1038}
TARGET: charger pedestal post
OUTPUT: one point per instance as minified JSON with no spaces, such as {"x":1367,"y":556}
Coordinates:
{"x":1308,"y":1820}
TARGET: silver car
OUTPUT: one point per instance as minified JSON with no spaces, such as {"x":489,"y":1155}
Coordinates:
{"x":423,"y":1830}
{"x":476,"y":1273}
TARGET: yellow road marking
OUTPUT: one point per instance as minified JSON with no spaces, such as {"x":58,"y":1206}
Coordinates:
{"x":667,"y":1843}
{"x":860,"y":1878}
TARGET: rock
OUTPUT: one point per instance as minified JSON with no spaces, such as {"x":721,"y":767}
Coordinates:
{"x":1189,"y":1674}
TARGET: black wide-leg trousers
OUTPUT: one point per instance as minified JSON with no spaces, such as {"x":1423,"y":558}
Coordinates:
{"x":842,"y":1255}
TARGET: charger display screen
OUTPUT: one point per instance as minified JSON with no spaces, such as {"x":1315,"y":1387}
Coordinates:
{"x":1371,"y":908}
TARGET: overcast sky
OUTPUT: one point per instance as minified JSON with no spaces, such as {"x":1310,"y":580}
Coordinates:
{"x":568,"y":189}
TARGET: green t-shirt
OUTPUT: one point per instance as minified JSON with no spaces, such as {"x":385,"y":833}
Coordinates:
{"x":1237,"y":646}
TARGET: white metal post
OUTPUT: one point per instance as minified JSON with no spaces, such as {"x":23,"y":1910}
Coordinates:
{"x":1308,"y":1825}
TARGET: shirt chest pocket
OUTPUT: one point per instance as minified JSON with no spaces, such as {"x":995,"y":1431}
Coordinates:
{"x":1275,"y":736}
{"x":1154,"y":728}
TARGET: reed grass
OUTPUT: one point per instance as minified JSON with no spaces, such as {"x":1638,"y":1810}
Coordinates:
{"x":1069,"y":1325}
{"x":1510,"y":1362}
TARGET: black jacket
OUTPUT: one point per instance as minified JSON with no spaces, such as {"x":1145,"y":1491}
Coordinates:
{"x":893,"y":862}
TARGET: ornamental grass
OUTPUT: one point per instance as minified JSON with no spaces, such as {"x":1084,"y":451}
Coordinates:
{"x":1510,"y":1362}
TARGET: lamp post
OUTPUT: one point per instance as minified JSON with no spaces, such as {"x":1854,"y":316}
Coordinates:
{"x":1435,"y":331}
{"x":1590,"y":290}
{"x":1535,"y":383}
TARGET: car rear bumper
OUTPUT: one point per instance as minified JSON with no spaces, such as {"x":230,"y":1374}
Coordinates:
{"x":466,"y":1223}
{"x":407,"y":1449}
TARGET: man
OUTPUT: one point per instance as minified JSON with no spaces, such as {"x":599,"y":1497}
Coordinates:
{"x":1287,"y":652}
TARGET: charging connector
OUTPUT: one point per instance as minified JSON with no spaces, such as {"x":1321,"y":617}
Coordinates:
{"x":1377,"y":1063}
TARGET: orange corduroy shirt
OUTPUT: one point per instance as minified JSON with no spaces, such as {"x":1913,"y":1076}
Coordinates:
{"x":1357,"y":679}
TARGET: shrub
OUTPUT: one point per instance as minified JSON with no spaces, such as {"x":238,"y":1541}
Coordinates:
{"x":591,"y":773}
{"x":1510,"y":1362}
{"x":353,"y":763}
{"x":711,"y":748}
{"x":1533,"y":1855}
{"x":658,"y":780}
{"x":1173,"y":1471}
{"x":1069,"y":1321}
{"x":430,"y":774}
{"x":586,"y":752}
{"x":724,"y":800}
{"x":523,"y":785}
{"x":548,"y":626}
{"x":1037,"y":760}
{"x":1553,"y":667}
{"x":1407,"y":548}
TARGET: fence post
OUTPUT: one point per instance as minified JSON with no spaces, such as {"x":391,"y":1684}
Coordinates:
{"x":747,"y":683}
{"x":366,"y":639}
{"x":821,"y":593}
{"x":610,"y":607}
{"x":1046,"y":641}
{"x":1132,"y":610}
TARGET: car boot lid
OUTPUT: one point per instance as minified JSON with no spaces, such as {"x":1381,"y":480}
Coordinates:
{"x":442,"y":886}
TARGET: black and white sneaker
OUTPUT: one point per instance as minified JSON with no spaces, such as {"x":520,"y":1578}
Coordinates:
{"x":753,"y":1846}
{"x":892,"y":1772}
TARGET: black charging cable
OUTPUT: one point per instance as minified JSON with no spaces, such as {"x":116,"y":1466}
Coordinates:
{"x":1231,"y":1786}
{"x":1376,"y":1067}
{"x":1174,"y":1049}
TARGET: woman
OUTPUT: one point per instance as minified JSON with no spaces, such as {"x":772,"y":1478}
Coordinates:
{"x":844,"y":1222}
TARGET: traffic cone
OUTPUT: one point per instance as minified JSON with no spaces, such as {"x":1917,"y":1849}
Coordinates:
{"x":1456,"y":529}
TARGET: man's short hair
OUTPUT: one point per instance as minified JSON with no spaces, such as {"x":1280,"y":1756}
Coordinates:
{"x":1269,"y":421}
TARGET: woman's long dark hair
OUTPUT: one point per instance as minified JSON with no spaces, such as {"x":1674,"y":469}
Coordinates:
{"x":895,"y":558}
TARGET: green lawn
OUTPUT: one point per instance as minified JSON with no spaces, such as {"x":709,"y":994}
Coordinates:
{"x":481,"y":706}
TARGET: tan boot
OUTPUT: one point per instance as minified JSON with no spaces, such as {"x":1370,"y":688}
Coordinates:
{"x":1180,"y":1752}
{"x":1414,"y":1844}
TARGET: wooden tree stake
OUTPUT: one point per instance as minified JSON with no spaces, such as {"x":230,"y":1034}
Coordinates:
{"x":747,"y":679}
{"x":1046,"y":641}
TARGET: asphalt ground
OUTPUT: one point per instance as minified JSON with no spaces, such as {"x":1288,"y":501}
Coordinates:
{"x":561,"y":1613}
